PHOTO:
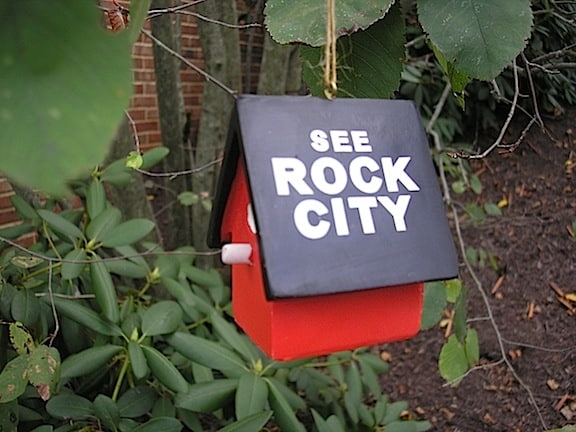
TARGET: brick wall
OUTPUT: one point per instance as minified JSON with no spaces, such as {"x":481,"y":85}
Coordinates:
{"x":143,"y":107}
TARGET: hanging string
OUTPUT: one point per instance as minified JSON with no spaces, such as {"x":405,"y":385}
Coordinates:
{"x":330,"y":86}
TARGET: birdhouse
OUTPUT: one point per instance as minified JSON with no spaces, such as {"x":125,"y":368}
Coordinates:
{"x":330,"y":214}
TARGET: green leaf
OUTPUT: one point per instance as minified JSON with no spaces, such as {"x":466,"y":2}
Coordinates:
{"x":13,"y":232}
{"x":134,"y":160}
{"x":332,"y":424}
{"x":25,"y":211}
{"x":153,"y":156}
{"x":492,"y":209}
{"x":10,"y":416}
{"x":453,"y":363}
{"x":25,"y":307}
{"x":353,"y":394}
{"x":251,"y":423}
{"x":290,"y":22}
{"x":459,"y":186}
{"x":104,"y":290}
{"x":70,"y":269}
{"x":480,"y":37}
{"x":69,"y":406}
{"x":394,"y":412}
{"x":208,"y":396}
{"x":13,"y":379}
{"x":188,"y":198}
{"x":164,"y":407}
{"x":88,"y":360}
{"x":95,"y":198}
{"x":84,"y":316}
{"x":126,"y":268}
{"x":453,"y":290}
{"x":472,"y":347}
{"x":208,"y":353}
{"x":61,"y":225}
{"x":164,"y":424}
{"x":185,"y":297}
{"x":137,"y":360}
{"x":251,"y":395}
{"x":369,"y":377}
{"x":138,"y":14}
{"x":475,"y":184}
{"x":127,"y":233}
{"x":103,"y":223}
{"x":136,"y":401}
{"x":164,"y":370}
{"x":376,"y":363}
{"x":65,"y":82}
{"x":161,"y":318}
{"x":459,"y":321}
{"x":369,"y":61}
{"x":117,"y":173}
{"x":283,"y":413}
{"x":106,"y":411}
{"x":20,"y":338}
{"x":44,"y":370}
{"x":434,"y":304}
{"x":229,"y":333}
{"x":457,"y":79}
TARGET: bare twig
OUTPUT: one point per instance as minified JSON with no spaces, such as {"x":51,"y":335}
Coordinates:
{"x":157,"y":12}
{"x":532,"y":91}
{"x":475,"y":278}
{"x":191,"y":65}
{"x":52,"y":306}
{"x":504,"y":128}
{"x":172,"y":175}
{"x":148,"y":252}
{"x":134,"y":131}
{"x":437,"y":143}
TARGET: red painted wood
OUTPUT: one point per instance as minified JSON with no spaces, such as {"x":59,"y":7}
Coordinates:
{"x":293,"y":328}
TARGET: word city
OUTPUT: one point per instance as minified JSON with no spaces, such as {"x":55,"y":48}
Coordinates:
{"x":329,"y":176}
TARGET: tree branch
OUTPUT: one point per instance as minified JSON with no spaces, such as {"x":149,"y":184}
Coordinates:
{"x":191,"y":65}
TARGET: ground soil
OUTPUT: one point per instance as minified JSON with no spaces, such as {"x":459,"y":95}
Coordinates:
{"x":536,"y":255}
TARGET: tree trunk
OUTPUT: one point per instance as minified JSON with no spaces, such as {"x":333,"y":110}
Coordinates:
{"x":177,"y":226}
{"x":221,"y":49}
{"x":280,"y":69}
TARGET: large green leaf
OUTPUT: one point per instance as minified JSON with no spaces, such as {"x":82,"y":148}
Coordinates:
{"x":88,"y":361}
{"x":69,"y":406}
{"x":254,"y":422}
{"x":453,"y":363}
{"x":13,"y":379}
{"x":208,"y":353}
{"x":479,"y":37}
{"x":208,"y":396}
{"x":369,"y":62}
{"x":161,"y":318}
{"x":127,"y":233}
{"x":434,"y":304}
{"x":164,"y":370}
{"x":84,"y":316}
{"x":44,"y":369}
{"x":251,"y":395}
{"x":64,"y":84}
{"x":293,"y":21}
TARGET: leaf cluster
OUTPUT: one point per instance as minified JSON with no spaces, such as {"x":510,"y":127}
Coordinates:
{"x":106,"y":331}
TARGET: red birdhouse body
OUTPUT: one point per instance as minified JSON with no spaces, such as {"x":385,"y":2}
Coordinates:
{"x":337,"y":218}
{"x":309,"y":326}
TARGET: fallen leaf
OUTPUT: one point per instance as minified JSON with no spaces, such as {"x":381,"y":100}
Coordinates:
{"x":552,"y":384}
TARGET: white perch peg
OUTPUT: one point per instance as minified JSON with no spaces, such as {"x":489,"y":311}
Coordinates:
{"x":236,"y":253}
